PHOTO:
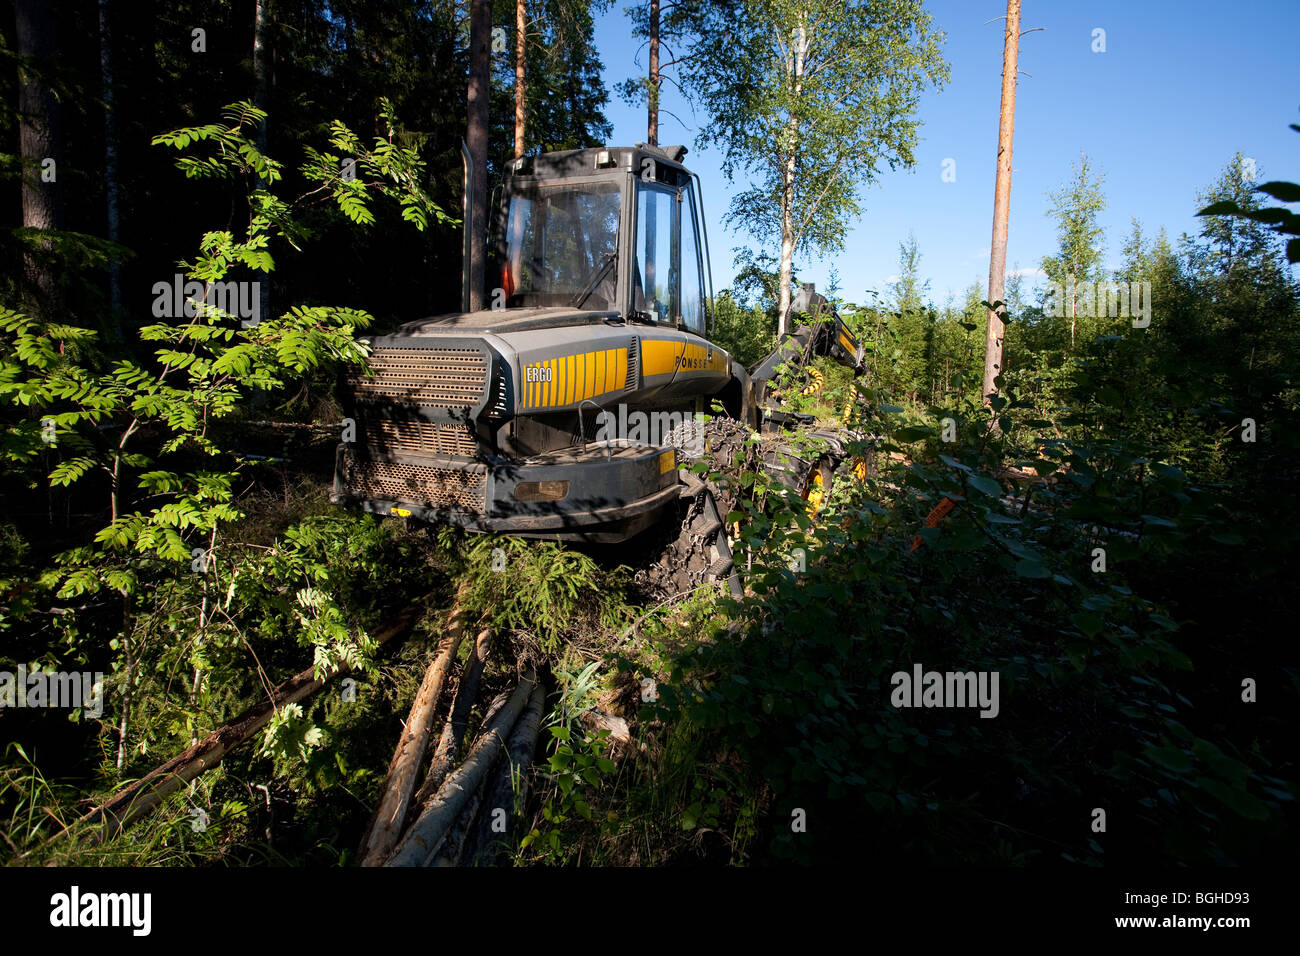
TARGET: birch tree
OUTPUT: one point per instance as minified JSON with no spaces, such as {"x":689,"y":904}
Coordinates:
{"x":809,"y":98}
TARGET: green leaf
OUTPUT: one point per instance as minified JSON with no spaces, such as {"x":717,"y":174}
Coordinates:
{"x":1158,"y":521}
{"x":912,"y":433}
{"x":1224,"y":207}
{"x":1027,"y":568}
{"x":1240,"y":801}
{"x":1171,"y":758}
{"x":985,"y":485}
{"x":1087,"y":622}
{"x":1287,"y":192}
{"x":1106,"y":395}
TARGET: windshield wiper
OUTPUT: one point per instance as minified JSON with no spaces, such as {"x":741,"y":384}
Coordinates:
{"x":596,"y":277}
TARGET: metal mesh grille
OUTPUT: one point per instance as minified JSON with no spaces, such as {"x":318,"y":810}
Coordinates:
{"x":422,"y":438}
{"x":435,"y":377}
{"x":421,"y":484}
{"x":633,"y":365}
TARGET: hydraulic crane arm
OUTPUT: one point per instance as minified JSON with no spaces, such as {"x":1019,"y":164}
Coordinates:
{"x":824,"y":334}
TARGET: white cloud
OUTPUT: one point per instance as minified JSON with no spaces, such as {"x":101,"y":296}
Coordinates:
{"x":1028,"y":273}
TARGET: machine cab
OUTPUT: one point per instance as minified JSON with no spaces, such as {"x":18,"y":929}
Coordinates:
{"x":618,"y":230}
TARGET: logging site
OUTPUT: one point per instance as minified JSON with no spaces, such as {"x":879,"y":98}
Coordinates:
{"x":515,"y":434}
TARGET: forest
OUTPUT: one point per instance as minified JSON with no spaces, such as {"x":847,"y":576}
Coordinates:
{"x":207,"y":662}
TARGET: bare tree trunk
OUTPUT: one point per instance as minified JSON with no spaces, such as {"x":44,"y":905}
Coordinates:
{"x":786,"y":275}
{"x":113,"y":221}
{"x":477,"y":140}
{"x":386,"y":825}
{"x":1001,"y":202}
{"x":453,"y":730}
{"x":652,"y":87}
{"x":521,"y":40}
{"x":489,"y":844}
{"x":421,"y":843}
{"x":40,"y":143}
{"x":261,"y":99}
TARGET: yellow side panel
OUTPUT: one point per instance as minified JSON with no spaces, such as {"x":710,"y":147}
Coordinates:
{"x":659,"y":356}
{"x":620,"y":369}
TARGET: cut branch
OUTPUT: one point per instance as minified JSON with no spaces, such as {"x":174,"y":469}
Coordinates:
{"x":138,"y":799}
{"x":403,"y":771}
{"x":425,"y":838}
{"x":487,"y":846}
{"x":453,"y":730}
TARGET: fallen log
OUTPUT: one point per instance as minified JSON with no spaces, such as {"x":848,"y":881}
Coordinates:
{"x":453,"y":729}
{"x":490,"y":840}
{"x":403,"y":770}
{"x":422,"y":841}
{"x":599,"y":720}
{"x":139,"y":798}
{"x":453,"y":847}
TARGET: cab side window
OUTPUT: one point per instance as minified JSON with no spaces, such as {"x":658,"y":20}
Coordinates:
{"x":692,"y":294}
{"x":656,"y":232}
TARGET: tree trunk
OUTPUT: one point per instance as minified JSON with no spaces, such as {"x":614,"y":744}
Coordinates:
{"x":790,"y":163}
{"x":476,"y":140}
{"x":1002,"y":203}
{"x":425,"y":837}
{"x":453,"y":730}
{"x":261,"y":99}
{"x":652,"y":87}
{"x":521,"y":38}
{"x":40,"y":142}
{"x":404,"y":769}
{"x":486,"y":847}
{"x":135,"y":801}
{"x":112,"y":219}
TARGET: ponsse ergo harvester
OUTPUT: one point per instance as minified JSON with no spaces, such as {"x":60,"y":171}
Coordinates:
{"x":599,"y":278}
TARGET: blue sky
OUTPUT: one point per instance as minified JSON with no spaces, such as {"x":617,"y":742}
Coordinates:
{"x":1181,"y":87}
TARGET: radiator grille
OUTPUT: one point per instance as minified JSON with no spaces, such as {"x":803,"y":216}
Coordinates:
{"x":424,"y":438}
{"x":445,"y":378}
{"x":420,"y":484}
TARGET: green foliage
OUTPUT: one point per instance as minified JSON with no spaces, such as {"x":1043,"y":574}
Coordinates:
{"x":1089,"y":664}
{"x":168,"y":587}
{"x":747,"y":334}
{"x":811,"y":98}
{"x":577,"y":766}
{"x":544,"y":591}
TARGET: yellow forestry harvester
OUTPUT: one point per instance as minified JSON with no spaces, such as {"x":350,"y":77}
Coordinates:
{"x":567,"y":407}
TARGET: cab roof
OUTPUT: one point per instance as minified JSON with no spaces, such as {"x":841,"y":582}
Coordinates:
{"x":593,"y":161}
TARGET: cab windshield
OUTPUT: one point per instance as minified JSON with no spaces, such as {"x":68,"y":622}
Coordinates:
{"x":562,"y":246}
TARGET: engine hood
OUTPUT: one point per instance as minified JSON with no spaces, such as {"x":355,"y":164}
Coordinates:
{"x":506,"y":320}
